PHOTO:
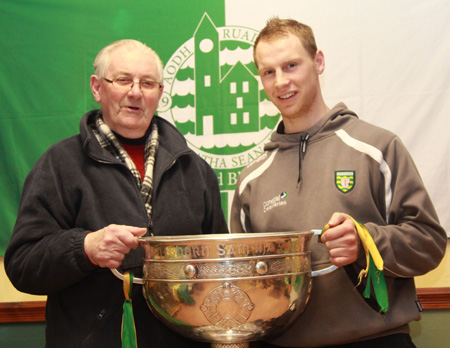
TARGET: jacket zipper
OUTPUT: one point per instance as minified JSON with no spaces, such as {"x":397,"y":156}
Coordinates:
{"x":301,"y":154}
{"x":100,"y":317}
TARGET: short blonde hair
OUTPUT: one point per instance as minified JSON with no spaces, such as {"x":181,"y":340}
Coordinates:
{"x":276,"y":28}
{"x":101,"y":62}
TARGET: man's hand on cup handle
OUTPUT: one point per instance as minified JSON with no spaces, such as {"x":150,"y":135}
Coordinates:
{"x":108,"y":246}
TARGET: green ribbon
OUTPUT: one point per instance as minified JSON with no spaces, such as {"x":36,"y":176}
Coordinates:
{"x":376,"y":277}
{"x":128,"y":327}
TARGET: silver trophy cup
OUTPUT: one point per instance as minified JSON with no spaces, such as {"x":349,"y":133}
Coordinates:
{"x":227,"y":289}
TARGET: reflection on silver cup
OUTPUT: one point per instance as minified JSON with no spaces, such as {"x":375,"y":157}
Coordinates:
{"x":227,"y":289}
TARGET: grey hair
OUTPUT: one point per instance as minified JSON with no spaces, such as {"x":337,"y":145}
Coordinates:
{"x":101,"y":62}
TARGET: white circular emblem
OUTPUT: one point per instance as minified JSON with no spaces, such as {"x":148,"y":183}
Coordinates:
{"x":206,"y":45}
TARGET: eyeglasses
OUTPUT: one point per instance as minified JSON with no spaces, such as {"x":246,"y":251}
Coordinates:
{"x":126,"y":83}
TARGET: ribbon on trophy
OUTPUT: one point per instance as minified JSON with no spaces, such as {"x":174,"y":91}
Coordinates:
{"x":374,"y":269}
{"x":128,"y":327}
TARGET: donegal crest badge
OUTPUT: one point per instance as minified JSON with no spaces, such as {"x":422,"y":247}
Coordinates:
{"x":345,"y":180}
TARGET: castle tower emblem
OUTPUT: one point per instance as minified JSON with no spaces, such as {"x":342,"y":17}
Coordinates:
{"x":213,"y":95}
{"x":223,"y":105}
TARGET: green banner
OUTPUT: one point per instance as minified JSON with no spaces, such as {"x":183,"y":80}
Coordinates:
{"x":47,"y":52}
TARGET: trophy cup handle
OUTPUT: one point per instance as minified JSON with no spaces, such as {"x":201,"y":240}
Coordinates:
{"x":119,"y":275}
{"x":326,"y":270}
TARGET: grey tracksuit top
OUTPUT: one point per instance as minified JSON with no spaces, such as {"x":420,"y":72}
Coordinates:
{"x":343,"y":164}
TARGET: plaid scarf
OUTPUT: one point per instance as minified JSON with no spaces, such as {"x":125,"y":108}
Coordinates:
{"x":109,"y":142}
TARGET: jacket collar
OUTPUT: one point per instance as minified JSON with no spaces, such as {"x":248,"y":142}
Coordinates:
{"x":338,"y":117}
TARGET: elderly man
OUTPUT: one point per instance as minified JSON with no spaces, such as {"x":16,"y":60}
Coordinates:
{"x":330,"y":168}
{"x":89,"y":196}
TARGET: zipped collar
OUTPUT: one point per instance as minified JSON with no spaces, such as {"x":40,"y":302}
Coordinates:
{"x":335,"y":119}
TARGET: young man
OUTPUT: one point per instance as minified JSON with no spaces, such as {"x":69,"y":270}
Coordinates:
{"x":328,"y":167}
{"x":89,"y":197}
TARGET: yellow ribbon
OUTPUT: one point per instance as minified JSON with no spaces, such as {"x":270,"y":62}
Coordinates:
{"x":127,"y":285}
{"x":370,"y":248}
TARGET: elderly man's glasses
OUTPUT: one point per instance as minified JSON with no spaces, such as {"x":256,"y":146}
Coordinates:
{"x":126,"y":83}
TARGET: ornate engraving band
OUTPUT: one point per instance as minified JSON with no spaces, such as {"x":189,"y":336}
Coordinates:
{"x":210,"y":270}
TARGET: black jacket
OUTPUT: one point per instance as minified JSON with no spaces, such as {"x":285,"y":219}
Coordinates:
{"x":77,"y":187}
